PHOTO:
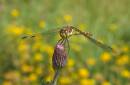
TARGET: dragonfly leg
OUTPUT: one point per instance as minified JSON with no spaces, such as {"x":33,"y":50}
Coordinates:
{"x":67,"y":41}
{"x":60,"y":41}
{"x":68,"y":45}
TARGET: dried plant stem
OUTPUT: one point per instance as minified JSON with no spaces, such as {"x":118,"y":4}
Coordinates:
{"x":55,"y":78}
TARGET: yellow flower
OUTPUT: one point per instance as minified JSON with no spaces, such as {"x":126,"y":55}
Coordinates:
{"x":68,"y":18}
{"x":125,"y":73}
{"x":83,"y":72}
{"x":87,"y":81}
{"x":125,"y":48}
{"x":7,"y":83}
{"x":23,"y":47}
{"x":39,"y":70}
{"x":42,"y":24}
{"x":91,"y":61}
{"x":38,"y":57}
{"x":122,"y":60}
{"x":105,"y":57}
{"x":26,"y":68}
{"x":32,"y":77}
{"x":106,"y":83}
{"x":48,"y":78}
{"x":65,"y":80}
{"x":15,"y":30}
{"x":15,"y":13}
{"x":70,"y":63}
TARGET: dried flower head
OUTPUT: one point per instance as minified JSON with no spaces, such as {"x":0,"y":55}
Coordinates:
{"x":59,"y":57}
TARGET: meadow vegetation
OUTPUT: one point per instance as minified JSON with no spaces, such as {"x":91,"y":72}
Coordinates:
{"x":29,"y":62}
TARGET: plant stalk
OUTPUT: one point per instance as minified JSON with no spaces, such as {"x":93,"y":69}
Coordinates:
{"x":54,"y":81}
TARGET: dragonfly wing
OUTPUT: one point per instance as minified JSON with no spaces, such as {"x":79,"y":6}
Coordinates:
{"x":98,"y":43}
{"x":44,"y":32}
{"x":51,"y":31}
{"x":89,"y":36}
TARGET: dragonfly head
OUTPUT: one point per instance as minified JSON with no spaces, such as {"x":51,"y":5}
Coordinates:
{"x":66,"y":31}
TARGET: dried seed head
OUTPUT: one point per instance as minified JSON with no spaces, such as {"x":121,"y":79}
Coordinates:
{"x":59,"y":57}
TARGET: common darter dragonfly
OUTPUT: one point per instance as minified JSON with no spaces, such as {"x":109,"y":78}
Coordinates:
{"x":68,"y":31}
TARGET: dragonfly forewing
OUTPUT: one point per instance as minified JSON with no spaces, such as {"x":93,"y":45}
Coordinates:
{"x":102,"y":45}
{"x":44,"y":32}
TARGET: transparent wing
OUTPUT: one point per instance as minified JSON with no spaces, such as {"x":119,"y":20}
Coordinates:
{"x":98,"y":43}
{"x":44,"y":32}
{"x":89,"y":36}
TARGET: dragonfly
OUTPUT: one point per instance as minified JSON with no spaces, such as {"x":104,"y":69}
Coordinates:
{"x":66,"y":32}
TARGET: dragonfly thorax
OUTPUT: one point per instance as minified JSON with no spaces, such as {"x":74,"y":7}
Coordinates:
{"x":66,"y":31}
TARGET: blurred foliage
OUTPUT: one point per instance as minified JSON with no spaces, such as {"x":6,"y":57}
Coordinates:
{"x":28,"y":61}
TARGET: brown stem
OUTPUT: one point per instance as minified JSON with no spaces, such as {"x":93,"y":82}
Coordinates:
{"x":54,"y":81}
